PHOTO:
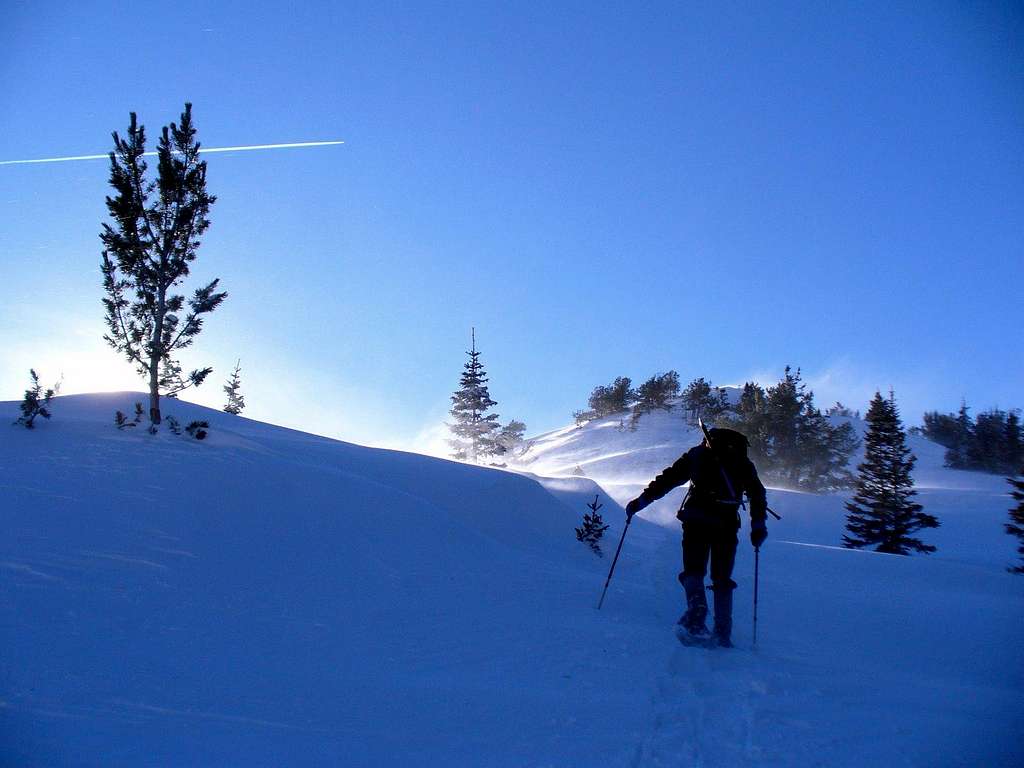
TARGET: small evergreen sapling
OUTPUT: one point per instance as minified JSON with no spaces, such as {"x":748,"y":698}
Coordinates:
{"x":1016,"y":525}
{"x":122,"y":421}
{"x":593,"y":527}
{"x":36,"y":402}
{"x":582,"y":417}
{"x":197,"y":429}
{"x":236,"y":402}
{"x":881,"y":513}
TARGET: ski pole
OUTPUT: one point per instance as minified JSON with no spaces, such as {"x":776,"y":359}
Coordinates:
{"x":614,"y":561}
{"x":757,"y":563}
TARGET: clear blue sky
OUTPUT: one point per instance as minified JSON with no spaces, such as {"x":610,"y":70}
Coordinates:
{"x":600,"y":189}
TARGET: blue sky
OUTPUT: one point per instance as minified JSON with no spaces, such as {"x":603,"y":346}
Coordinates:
{"x":602,"y":190}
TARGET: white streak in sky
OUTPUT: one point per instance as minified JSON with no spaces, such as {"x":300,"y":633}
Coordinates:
{"x":202,"y":151}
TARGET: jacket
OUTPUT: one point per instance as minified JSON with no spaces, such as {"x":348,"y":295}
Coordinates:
{"x":709,"y":499}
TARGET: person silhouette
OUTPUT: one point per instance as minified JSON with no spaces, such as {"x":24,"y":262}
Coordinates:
{"x":719,"y":473}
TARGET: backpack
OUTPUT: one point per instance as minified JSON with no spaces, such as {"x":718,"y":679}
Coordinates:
{"x":708,"y":488}
{"x":729,"y":444}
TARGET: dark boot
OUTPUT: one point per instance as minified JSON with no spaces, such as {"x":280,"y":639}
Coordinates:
{"x":695,"y":618}
{"x":723,"y":615}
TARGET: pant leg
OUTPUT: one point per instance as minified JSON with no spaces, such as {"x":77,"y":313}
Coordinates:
{"x":722,"y":547}
{"x":696,"y":550}
{"x":723,"y":558}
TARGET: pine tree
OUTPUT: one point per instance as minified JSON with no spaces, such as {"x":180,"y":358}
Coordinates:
{"x":474,"y":429}
{"x":791,"y":441}
{"x":783,"y":406}
{"x":751,"y":418}
{"x":987,"y":449}
{"x":147,"y":253}
{"x":36,"y":402}
{"x":1016,"y":525}
{"x":881,"y":513}
{"x":941,"y":428}
{"x":702,"y":401}
{"x":1014,"y":456}
{"x":617,"y":397}
{"x":593,"y":527}
{"x":656,"y":392}
{"x":236,"y":401}
{"x":957,"y":456}
{"x":510,"y":436}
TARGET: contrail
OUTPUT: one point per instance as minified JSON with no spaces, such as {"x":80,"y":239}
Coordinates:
{"x":202,"y":151}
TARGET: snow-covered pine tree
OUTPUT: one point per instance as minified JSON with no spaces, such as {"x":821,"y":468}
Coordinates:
{"x":236,"y":401}
{"x":36,"y":402}
{"x":510,"y":437}
{"x":474,"y":429}
{"x":881,"y":513}
{"x":147,"y":253}
{"x":1016,"y":525}
{"x":593,"y":527}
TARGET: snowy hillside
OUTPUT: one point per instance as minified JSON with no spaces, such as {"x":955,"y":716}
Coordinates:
{"x":623,"y":461}
{"x":270,"y":598}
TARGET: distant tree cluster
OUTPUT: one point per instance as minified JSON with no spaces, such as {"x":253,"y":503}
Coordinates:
{"x":657,"y":393}
{"x":619,"y":397}
{"x":841,"y":410}
{"x":791,"y":441}
{"x":609,"y":400}
{"x":703,"y":401}
{"x":477,"y":434}
{"x":990,"y":442}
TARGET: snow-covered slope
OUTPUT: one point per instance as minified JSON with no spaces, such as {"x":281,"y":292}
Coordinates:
{"x":624,"y":460}
{"x":269,"y":598}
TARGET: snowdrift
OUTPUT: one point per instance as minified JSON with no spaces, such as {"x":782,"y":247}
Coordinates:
{"x":267,"y":597}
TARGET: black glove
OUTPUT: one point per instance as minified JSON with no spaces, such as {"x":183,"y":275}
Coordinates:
{"x":635,"y":506}
{"x":758,"y":533}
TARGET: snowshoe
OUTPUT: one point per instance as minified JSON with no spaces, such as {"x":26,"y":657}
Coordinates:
{"x":692,"y":631}
{"x":721,"y":641}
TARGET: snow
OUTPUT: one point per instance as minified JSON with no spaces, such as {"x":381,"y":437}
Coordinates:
{"x":268,"y":597}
